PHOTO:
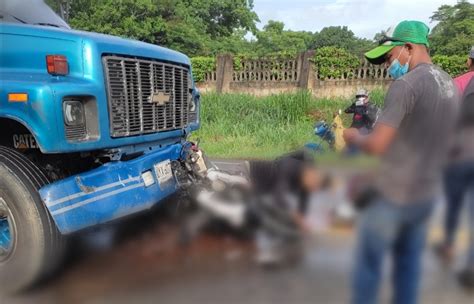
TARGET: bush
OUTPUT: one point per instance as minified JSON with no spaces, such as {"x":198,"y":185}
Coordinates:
{"x":237,"y":63}
{"x":333,"y":62}
{"x":453,"y":65}
{"x":201,"y":66}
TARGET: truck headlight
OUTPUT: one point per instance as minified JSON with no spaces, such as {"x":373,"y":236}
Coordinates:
{"x":73,"y":111}
{"x":81,"y":118}
{"x":193,"y":101}
{"x":192,"y":98}
{"x":192,"y":105}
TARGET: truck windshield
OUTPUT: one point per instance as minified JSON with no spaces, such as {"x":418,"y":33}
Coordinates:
{"x":30,"y":12}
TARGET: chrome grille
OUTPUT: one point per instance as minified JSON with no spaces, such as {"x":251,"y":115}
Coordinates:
{"x":146,"y":96}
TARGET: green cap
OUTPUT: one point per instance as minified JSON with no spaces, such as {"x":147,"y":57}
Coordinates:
{"x":407,"y":31}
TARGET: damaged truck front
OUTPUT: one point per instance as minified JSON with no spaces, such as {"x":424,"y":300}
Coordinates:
{"x":90,"y":126}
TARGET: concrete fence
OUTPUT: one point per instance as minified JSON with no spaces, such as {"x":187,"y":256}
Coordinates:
{"x":262,"y":77}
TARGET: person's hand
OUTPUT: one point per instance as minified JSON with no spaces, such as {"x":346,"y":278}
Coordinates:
{"x":350,"y":135}
{"x":302,"y":224}
{"x":306,"y":228}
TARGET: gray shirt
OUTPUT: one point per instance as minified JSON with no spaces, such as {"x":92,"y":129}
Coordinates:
{"x":422,"y":105}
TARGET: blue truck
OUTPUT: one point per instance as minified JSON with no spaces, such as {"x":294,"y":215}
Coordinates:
{"x":90,"y":126}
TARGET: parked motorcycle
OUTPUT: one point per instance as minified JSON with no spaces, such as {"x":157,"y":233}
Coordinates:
{"x":328,"y":134}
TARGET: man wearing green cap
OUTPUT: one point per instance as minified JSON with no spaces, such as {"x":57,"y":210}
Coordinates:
{"x":419,"y":109}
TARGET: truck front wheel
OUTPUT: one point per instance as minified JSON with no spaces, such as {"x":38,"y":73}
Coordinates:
{"x":30,"y":243}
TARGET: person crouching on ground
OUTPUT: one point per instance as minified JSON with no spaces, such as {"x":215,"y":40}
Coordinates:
{"x":406,"y":136}
{"x":282,"y":189}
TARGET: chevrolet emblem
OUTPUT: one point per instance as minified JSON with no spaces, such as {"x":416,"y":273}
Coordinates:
{"x":160,"y":98}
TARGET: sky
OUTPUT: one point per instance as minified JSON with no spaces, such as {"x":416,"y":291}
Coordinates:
{"x":364,"y":17}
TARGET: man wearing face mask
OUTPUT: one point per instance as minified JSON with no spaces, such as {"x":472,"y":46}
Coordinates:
{"x":407,"y":138}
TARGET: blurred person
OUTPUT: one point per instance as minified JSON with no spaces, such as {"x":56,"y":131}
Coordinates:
{"x":282,"y":188}
{"x":459,"y":183}
{"x":363,"y":118}
{"x":364,"y":112}
{"x":407,"y":137}
{"x":269,"y":199}
{"x":453,"y":189}
{"x":463,"y":80}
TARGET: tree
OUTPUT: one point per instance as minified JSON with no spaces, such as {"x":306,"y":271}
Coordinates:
{"x":454,"y":33}
{"x":221,"y":18}
{"x":274,"y":39}
{"x":379,"y":36}
{"x":137,"y":19}
{"x":195,"y":27}
{"x":341,"y":37}
{"x":233,"y":44}
{"x":334,"y":62}
{"x":203,"y":27}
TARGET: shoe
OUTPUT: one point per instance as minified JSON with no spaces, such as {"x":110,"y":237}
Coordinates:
{"x":444,"y":252}
{"x":466,"y":278}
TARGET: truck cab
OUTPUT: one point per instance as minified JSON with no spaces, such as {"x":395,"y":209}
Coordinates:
{"x":90,"y":127}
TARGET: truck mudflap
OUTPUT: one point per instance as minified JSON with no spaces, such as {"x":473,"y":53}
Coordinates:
{"x":111,"y":191}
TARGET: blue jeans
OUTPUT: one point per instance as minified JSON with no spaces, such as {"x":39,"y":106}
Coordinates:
{"x":385,"y":227}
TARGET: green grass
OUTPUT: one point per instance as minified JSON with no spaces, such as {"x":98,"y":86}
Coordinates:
{"x":245,"y":126}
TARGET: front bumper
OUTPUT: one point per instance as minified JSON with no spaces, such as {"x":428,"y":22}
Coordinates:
{"x":111,"y":191}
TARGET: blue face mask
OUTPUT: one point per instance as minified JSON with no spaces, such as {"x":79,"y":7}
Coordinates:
{"x":396,"y":70}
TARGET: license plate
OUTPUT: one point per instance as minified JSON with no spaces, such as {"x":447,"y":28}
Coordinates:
{"x":163,"y":171}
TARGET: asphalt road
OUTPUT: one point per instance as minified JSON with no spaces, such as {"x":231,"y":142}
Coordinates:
{"x":143,"y":261}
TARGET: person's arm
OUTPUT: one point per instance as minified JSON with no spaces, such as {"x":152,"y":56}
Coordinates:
{"x":350,"y":109}
{"x":399,"y":102}
{"x":376,"y":143}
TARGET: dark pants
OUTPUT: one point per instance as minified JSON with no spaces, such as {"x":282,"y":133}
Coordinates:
{"x":458,"y":180}
{"x":384,"y":228}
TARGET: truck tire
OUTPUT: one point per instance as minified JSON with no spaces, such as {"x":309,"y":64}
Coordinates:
{"x":32,"y":244}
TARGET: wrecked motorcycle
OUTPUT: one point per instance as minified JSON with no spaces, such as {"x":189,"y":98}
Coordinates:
{"x":228,"y":198}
